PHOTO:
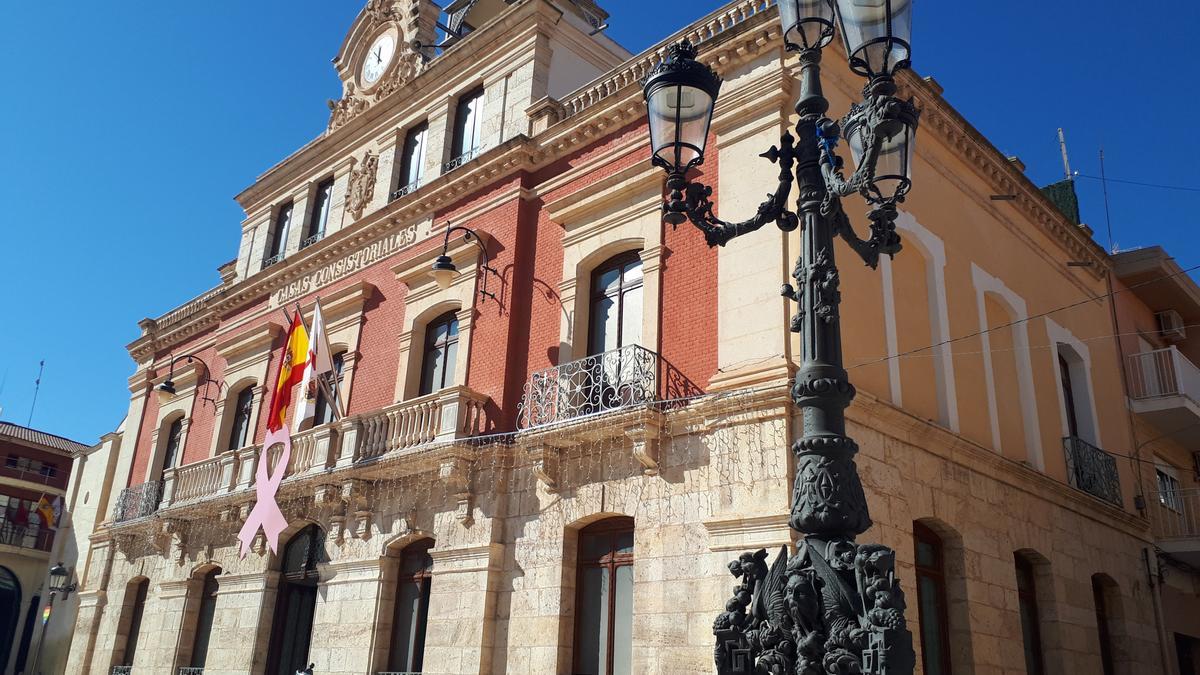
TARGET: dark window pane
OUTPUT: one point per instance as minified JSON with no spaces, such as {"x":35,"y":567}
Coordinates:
{"x":239,"y":430}
{"x":468,"y":124}
{"x":931,"y":628}
{"x":441,"y":350}
{"x":412,"y":164}
{"x":320,"y":211}
{"x":592,"y":641}
{"x":279,"y":232}
{"x":622,"y":631}
{"x":135,"y":620}
{"x":204,"y":619}
{"x":174,"y":436}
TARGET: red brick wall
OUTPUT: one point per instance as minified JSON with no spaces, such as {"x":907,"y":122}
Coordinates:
{"x":512,"y":336}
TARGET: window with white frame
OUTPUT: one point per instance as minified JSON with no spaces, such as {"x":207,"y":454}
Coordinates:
{"x":412,"y":160}
{"x":1168,"y":486}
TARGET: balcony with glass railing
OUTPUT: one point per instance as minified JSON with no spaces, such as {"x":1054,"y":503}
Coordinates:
{"x":603,"y":383}
{"x":1092,"y":470}
{"x":1175,"y":521}
{"x":1165,"y":389}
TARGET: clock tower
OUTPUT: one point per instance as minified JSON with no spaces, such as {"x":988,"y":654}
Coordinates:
{"x":378,"y":54}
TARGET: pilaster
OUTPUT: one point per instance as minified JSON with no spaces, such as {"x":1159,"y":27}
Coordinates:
{"x":462,"y":607}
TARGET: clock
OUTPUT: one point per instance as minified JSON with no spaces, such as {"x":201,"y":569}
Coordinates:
{"x":378,"y":58}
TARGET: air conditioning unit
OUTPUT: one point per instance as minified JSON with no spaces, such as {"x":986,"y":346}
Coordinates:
{"x":1170,"y":326}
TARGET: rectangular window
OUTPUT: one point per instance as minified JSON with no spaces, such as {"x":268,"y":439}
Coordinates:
{"x":412,"y":160}
{"x":468,"y":128}
{"x":279,"y":234}
{"x":1068,"y":396}
{"x":319,"y":219}
{"x":1168,"y":487}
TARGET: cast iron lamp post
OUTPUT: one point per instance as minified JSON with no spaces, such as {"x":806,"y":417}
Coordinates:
{"x":836,"y":606}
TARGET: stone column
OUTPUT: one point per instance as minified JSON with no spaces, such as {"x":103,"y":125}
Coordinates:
{"x":344,"y":625}
{"x":341,"y":190}
{"x":241,"y":632}
{"x":87,"y":626}
{"x":169,"y":633}
{"x":462,"y":603}
{"x":389,"y":166}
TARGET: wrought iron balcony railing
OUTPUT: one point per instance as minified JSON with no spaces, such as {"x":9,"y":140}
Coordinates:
{"x":406,"y":190}
{"x":191,"y":671}
{"x":602,"y":383}
{"x":312,"y":240}
{"x":463,"y":158}
{"x":26,"y":536}
{"x":1092,"y":470}
{"x":138,"y":501}
{"x":121,"y":670}
{"x":272,"y":260}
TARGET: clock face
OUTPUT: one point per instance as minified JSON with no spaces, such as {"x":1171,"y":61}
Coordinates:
{"x":379,"y":57}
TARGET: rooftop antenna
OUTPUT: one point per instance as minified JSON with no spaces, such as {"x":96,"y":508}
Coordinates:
{"x":1062,"y":144}
{"x":1107,"y":212}
{"x":37,"y":384}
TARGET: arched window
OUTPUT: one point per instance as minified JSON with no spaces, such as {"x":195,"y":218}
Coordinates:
{"x":441,"y":351}
{"x":616,"y":306}
{"x":1100,"y":591}
{"x":239,"y":431}
{"x":1031,"y":629}
{"x":411,"y":613}
{"x":204,"y":618}
{"x":604,"y":600}
{"x":10,"y":612}
{"x":324,"y":413}
{"x":296,"y":602}
{"x":931,"y":601}
{"x":135,"y":606}
{"x":172,"y":450}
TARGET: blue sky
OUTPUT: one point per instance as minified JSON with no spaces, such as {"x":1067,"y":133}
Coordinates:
{"x":129,"y":126}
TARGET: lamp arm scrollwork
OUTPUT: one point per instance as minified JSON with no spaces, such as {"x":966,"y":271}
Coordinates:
{"x":694,"y":200}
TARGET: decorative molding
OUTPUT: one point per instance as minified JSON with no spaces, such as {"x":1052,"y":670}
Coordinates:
{"x":744,"y":533}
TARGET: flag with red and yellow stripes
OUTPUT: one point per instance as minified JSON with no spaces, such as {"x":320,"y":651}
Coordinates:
{"x":291,"y":371}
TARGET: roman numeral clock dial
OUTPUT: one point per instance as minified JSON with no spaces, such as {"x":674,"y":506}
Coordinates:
{"x":378,"y":58}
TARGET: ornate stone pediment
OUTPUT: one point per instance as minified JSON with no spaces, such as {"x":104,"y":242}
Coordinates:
{"x":406,"y":22}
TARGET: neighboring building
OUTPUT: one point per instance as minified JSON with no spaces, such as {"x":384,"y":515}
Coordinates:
{"x":552,"y":477}
{"x":34,"y":465}
{"x":1159,"y":324}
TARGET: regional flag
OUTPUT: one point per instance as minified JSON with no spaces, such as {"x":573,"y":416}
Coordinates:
{"x":319,"y":363}
{"x":46,"y":512}
{"x":295,"y":355}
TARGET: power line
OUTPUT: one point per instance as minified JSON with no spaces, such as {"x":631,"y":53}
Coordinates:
{"x":1158,"y":186}
{"x":1027,"y":319}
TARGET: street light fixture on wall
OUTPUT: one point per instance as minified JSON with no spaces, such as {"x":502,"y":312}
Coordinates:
{"x":836,"y":607}
{"x":60,"y":580}
{"x":444,"y":270}
{"x":166,"y":390}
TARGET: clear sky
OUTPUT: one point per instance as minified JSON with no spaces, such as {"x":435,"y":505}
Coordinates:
{"x":129,"y":126}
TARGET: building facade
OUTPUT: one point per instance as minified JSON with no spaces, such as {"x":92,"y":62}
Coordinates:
{"x":545,"y":463}
{"x":35,"y":469}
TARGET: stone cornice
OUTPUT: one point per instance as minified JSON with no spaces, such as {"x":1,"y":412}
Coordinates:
{"x":746,"y":533}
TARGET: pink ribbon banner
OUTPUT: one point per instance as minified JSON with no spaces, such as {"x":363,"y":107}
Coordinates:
{"x":266,"y":513}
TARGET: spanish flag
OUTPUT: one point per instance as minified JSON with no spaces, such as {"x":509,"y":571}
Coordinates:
{"x":46,"y":511}
{"x":291,"y":371}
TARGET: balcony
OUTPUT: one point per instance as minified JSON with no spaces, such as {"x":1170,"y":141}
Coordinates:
{"x":603,"y":383}
{"x":52,"y":478}
{"x":1164,"y":388}
{"x":190,"y":671}
{"x":1092,"y":470}
{"x":22,"y":536}
{"x":1175,"y":521}
{"x":272,"y":260}
{"x":399,"y":429}
{"x":138,"y":501}
{"x":406,"y":190}
{"x":463,"y":159}
{"x":121,"y":670}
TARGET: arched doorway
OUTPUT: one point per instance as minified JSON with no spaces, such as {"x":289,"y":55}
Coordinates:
{"x":10,"y":613}
{"x":291,"y":629}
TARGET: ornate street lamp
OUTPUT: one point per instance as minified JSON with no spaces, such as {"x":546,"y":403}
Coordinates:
{"x":836,"y":607}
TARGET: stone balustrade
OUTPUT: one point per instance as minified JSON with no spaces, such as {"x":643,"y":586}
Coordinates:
{"x":452,"y":413}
